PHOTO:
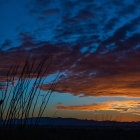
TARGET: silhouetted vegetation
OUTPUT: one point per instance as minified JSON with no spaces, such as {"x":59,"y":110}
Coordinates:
{"x":20,"y":94}
{"x":68,"y":133}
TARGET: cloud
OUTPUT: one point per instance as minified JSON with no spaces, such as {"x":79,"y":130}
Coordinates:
{"x":6,"y":43}
{"x":34,"y":51}
{"x":105,"y":72}
{"x":130,"y":9}
{"x":115,"y":73}
{"x":121,"y":106}
{"x":50,"y":12}
{"x":75,"y":20}
{"x":84,"y":15}
{"x":111,"y":64}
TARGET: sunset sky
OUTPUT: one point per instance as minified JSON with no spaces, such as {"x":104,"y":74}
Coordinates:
{"x":94,"y":45}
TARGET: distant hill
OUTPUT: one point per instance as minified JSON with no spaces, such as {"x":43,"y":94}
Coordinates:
{"x":72,"y":122}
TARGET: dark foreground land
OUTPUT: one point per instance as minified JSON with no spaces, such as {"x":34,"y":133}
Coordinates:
{"x":69,"y":133}
{"x":70,"y":129}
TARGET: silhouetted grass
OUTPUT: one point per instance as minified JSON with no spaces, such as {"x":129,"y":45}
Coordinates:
{"x":20,"y":93}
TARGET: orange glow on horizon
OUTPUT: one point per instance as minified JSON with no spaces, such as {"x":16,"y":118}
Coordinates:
{"x":123,"y":111}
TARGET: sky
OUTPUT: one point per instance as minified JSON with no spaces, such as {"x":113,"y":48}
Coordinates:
{"x":93,"y":44}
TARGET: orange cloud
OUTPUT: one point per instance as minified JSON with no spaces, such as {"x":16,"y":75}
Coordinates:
{"x":111,"y":74}
{"x":121,"y":106}
{"x":124,"y":85}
